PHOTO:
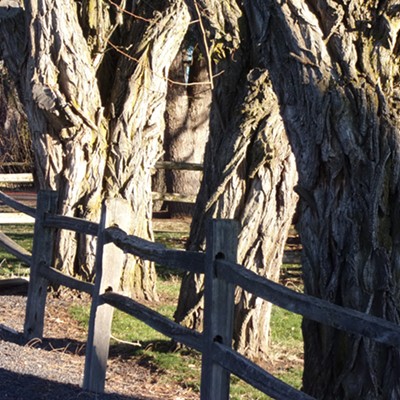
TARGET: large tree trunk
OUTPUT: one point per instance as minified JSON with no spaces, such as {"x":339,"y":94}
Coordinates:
{"x":139,"y":98}
{"x":95,"y":113}
{"x":335,"y":69}
{"x":64,"y":109}
{"x":249,"y":175}
{"x":187,"y":117}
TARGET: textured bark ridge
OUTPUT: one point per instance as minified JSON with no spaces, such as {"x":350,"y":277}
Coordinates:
{"x":93,"y":79}
{"x":249,"y":175}
{"x":136,"y":130}
{"x":64,"y":109}
{"x":335,"y":70}
{"x":15,"y":140}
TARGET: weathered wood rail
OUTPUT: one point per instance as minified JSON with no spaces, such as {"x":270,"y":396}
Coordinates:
{"x":27,"y":178}
{"x":222,"y":275}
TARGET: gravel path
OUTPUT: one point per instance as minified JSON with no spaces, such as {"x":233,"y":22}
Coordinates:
{"x":52,"y":369}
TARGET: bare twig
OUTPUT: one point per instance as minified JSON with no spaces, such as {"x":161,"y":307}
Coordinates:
{"x":125,"y":54}
{"x":203,"y":31}
{"x":135,"y":344}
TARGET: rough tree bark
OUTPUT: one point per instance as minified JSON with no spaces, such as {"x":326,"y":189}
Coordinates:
{"x":335,"y":69}
{"x":249,"y":174}
{"x":15,"y":141}
{"x":136,"y":133}
{"x":94,"y":112}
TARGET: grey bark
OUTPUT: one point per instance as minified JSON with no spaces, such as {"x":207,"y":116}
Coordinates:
{"x":249,"y":175}
{"x":136,"y":132}
{"x":15,"y":141}
{"x":91,"y":138}
{"x":335,"y":70}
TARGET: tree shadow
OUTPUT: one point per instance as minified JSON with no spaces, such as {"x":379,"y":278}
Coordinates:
{"x":21,"y":386}
{"x":127,"y":350}
{"x":64,"y":345}
{"x":17,"y":386}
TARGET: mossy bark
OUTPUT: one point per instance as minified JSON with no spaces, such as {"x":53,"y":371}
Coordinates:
{"x":335,"y":69}
{"x":93,"y":82}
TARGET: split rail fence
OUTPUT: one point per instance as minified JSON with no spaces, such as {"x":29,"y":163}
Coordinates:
{"x":222,"y":275}
{"x":17,"y":179}
{"x":27,"y":178}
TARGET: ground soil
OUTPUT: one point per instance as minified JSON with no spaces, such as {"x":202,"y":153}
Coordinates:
{"x":52,"y":369}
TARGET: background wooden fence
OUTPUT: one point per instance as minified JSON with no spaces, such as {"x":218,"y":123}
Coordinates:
{"x":222,"y":275}
{"x":7,"y":179}
{"x":15,"y":180}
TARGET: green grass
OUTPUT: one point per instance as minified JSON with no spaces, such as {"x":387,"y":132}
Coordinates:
{"x":10,"y":266}
{"x":172,"y":240}
{"x":151,"y":347}
{"x":184,"y":366}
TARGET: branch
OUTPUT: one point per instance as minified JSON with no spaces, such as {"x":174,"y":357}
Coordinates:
{"x":203,"y":31}
{"x":125,"y":54}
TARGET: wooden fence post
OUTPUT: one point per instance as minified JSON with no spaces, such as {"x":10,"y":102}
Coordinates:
{"x":109,"y":262}
{"x":222,"y":239}
{"x":42,"y":257}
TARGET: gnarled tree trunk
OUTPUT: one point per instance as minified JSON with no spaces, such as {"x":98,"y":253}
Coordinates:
{"x":93,"y":80}
{"x":335,"y":69}
{"x":249,"y":175}
{"x":136,"y":131}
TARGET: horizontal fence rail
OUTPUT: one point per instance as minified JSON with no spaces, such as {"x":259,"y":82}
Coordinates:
{"x":16,"y":178}
{"x":222,"y":275}
{"x":310,"y":307}
{"x":175,"y":165}
{"x":177,"y":197}
{"x":78,"y":225}
{"x":57,"y":277}
{"x":16,"y":205}
{"x":255,"y":375}
{"x":179,"y":259}
{"x":15,"y":249}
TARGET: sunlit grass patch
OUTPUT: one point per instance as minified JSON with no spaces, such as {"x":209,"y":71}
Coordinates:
{"x":11,"y":266}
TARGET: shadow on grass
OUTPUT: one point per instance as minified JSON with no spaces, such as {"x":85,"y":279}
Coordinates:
{"x":76,"y":347}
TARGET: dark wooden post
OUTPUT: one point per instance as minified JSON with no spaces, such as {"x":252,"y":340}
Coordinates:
{"x":42,"y":257}
{"x":109,"y":263}
{"x":222,"y":239}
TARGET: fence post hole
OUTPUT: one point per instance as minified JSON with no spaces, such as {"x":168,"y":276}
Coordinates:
{"x":42,"y":257}
{"x":109,"y":264}
{"x":221,"y":242}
